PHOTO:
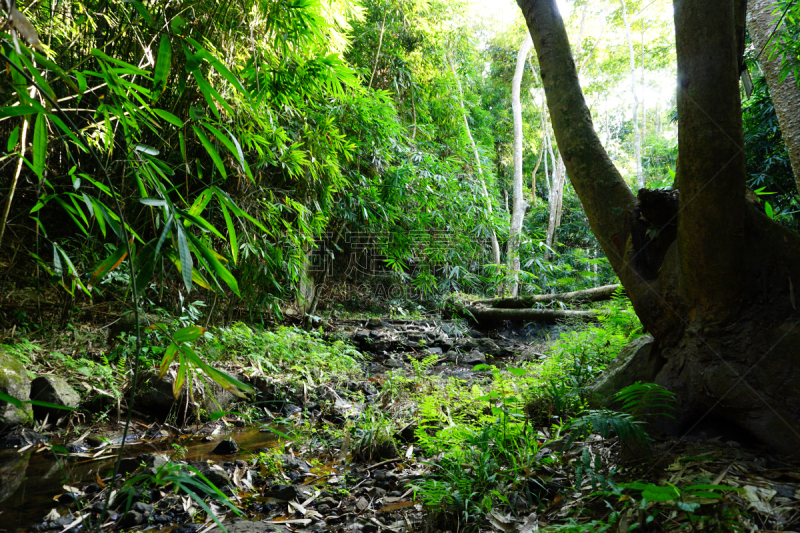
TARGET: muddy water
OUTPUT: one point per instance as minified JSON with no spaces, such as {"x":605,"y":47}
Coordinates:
{"x":30,"y":482}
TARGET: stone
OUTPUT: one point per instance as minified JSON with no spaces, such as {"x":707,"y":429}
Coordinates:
{"x":69,"y":498}
{"x":217,"y":476}
{"x":12,"y":472}
{"x":361,"y":336}
{"x":635,"y":362}
{"x":14,"y":382}
{"x":150,"y":460}
{"x":345,"y":409}
{"x":375,"y":323}
{"x":376,"y":493}
{"x":434,"y":351}
{"x":131,"y":519}
{"x":239,"y":525}
{"x":156,"y":397}
{"x":20,"y":437}
{"x":393,"y":363}
{"x":362,"y":504}
{"x":475,"y":357}
{"x":226,"y":447}
{"x":55,"y":390}
{"x":285,"y":492}
{"x":144,"y":508}
{"x":290,"y":462}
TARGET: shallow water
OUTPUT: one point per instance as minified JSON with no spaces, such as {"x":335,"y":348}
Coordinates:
{"x":30,"y":481}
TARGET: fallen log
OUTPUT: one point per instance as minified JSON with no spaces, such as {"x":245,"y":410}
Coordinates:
{"x":597,"y":294}
{"x":484,"y":315}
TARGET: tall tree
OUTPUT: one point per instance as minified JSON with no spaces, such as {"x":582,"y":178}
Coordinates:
{"x":710,"y":276}
{"x":637,"y":136}
{"x":518,"y":212}
{"x":484,"y":190}
{"x":762,"y":23}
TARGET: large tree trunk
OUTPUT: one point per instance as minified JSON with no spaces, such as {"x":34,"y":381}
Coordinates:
{"x":710,"y":277}
{"x":785,"y":94}
{"x":518,"y":212}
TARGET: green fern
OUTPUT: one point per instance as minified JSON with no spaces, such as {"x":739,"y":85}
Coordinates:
{"x":636,"y":399}
{"x":646,"y":397}
{"x":604,"y":421}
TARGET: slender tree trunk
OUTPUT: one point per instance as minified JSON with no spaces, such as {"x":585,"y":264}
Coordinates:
{"x":484,"y":190}
{"x":518,"y":212}
{"x":533,"y":174}
{"x":554,"y":198}
{"x":637,"y":143}
{"x":710,"y":277}
{"x":785,"y":94}
{"x":378,"y":51}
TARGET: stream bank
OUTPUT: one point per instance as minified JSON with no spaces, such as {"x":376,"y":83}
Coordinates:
{"x":369,"y":450}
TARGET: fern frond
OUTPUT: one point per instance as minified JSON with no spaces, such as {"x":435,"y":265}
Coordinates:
{"x":604,"y":422}
{"x":645,"y":397}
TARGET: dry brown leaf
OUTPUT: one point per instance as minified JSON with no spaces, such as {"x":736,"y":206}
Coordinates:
{"x":24,"y":28}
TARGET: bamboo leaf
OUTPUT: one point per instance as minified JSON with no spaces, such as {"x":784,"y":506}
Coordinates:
{"x":186,"y":258}
{"x":163,"y":66}
{"x":164,"y":234}
{"x":201,"y":202}
{"x":214,"y":263}
{"x":219,"y":66}
{"x":40,"y":145}
{"x":108,"y":265}
{"x":211,"y":150}
{"x":188,"y":334}
{"x":144,"y":265}
{"x":37,"y":77}
{"x":199,"y":221}
{"x":126,"y":68}
{"x":209,"y":92}
{"x":68,"y":131}
{"x":177,"y":385}
{"x":19,"y":110}
{"x":169,"y":117}
{"x":10,"y":399}
{"x":12,"y":140}
{"x":169,"y":355}
{"x":231,"y":234}
{"x":242,"y":160}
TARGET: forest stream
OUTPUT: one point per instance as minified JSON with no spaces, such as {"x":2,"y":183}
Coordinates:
{"x":345,"y":455}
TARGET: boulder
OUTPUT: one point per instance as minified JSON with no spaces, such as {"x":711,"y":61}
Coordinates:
{"x":291,"y":462}
{"x":636,"y":362}
{"x":226,"y":447}
{"x":20,"y":437}
{"x":215,"y":474}
{"x":239,"y":525}
{"x":475,"y":357}
{"x":12,"y":472}
{"x":287,"y":492}
{"x":55,"y":390}
{"x":375,"y":323}
{"x":14,"y":382}
{"x":346,"y":409}
{"x":156,"y":397}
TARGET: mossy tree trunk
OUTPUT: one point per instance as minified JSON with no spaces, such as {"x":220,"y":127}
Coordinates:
{"x":714,"y":283}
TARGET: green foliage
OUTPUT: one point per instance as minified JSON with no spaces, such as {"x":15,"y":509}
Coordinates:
{"x":768,"y":167}
{"x":286,"y":350}
{"x":374,"y":436}
{"x":637,"y":399}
